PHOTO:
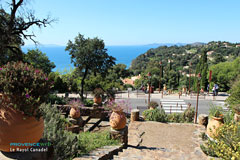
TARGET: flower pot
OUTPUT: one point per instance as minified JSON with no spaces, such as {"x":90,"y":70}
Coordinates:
{"x":15,"y":127}
{"x":97,"y":100}
{"x":118,"y":120}
{"x":237,"y":117}
{"x":213,"y":124}
{"x":74,"y":113}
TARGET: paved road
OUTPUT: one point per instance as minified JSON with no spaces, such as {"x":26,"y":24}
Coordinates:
{"x":203,"y":105}
{"x":141,"y":99}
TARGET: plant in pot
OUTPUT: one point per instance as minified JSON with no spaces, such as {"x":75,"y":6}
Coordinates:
{"x":75,"y":111}
{"x":98,"y":93}
{"x":152,"y":105}
{"x":117,"y":118}
{"x":23,"y":90}
{"x":215,"y":120}
{"x":236,"y":109}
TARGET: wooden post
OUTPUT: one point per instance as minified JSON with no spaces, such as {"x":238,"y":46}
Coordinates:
{"x":134,"y":115}
{"x":149,"y":92}
{"x":196,"y":111}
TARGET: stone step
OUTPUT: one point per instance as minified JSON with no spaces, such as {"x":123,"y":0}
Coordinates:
{"x":91,"y":124}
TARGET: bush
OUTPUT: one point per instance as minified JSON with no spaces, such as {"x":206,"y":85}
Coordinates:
{"x":175,"y":118}
{"x":88,"y":102}
{"x":65,"y":143}
{"x":215,"y":111}
{"x":54,"y":99}
{"x":24,"y":86}
{"x":158,"y":115}
{"x":153,"y":104}
{"x":226,"y":143}
{"x":228,"y":117}
{"x":188,"y":115}
{"x":68,"y":145}
{"x":234,"y":97}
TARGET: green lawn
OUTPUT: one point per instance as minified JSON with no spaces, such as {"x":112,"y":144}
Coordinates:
{"x":90,"y":141}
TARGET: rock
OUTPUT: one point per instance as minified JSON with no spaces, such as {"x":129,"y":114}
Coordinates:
{"x":203,"y":119}
{"x":121,"y":135}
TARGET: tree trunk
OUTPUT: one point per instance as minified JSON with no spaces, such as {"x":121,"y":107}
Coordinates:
{"x":82,"y":83}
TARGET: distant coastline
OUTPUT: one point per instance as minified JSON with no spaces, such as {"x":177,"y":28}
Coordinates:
{"x":124,"y":54}
{"x":62,"y":60}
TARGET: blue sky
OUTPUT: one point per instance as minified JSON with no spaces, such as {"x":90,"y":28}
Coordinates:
{"x":136,"y":22}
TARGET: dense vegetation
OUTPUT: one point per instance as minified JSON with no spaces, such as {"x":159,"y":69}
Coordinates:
{"x":177,"y":59}
{"x":159,"y":115}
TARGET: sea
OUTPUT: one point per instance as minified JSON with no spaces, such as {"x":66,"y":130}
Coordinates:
{"x":62,"y":59}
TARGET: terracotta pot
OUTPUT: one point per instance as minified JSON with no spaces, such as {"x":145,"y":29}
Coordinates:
{"x":17,"y":128}
{"x":118,"y":120}
{"x":237,"y":117}
{"x":97,"y":100}
{"x":74,"y":112}
{"x":213,"y":124}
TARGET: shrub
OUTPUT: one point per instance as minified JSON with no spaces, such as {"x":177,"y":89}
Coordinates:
{"x":175,"y":118}
{"x":188,"y":115}
{"x":236,"y":108}
{"x":68,"y":145}
{"x":215,"y":111}
{"x":153,"y":104}
{"x":234,"y":97}
{"x":54,"y":99}
{"x":65,"y":143}
{"x":228,"y":117}
{"x":158,"y":115}
{"x":24,"y":86}
{"x":88,"y":102}
{"x":226,"y":144}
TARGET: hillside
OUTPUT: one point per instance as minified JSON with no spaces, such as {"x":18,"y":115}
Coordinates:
{"x":176,"y":60}
{"x":180,"y":56}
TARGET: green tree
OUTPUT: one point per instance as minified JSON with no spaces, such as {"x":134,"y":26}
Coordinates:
{"x":89,"y":55}
{"x":59,"y":85}
{"x":202,"y":68}
{"x":13,"y":30}
{"x":39,"y":60}
{"x":225,"y":73}
{"x":172,"y":79}
{"x":218,"y":58}
{"x":234,"y":97}
{"x":120,"y":71}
